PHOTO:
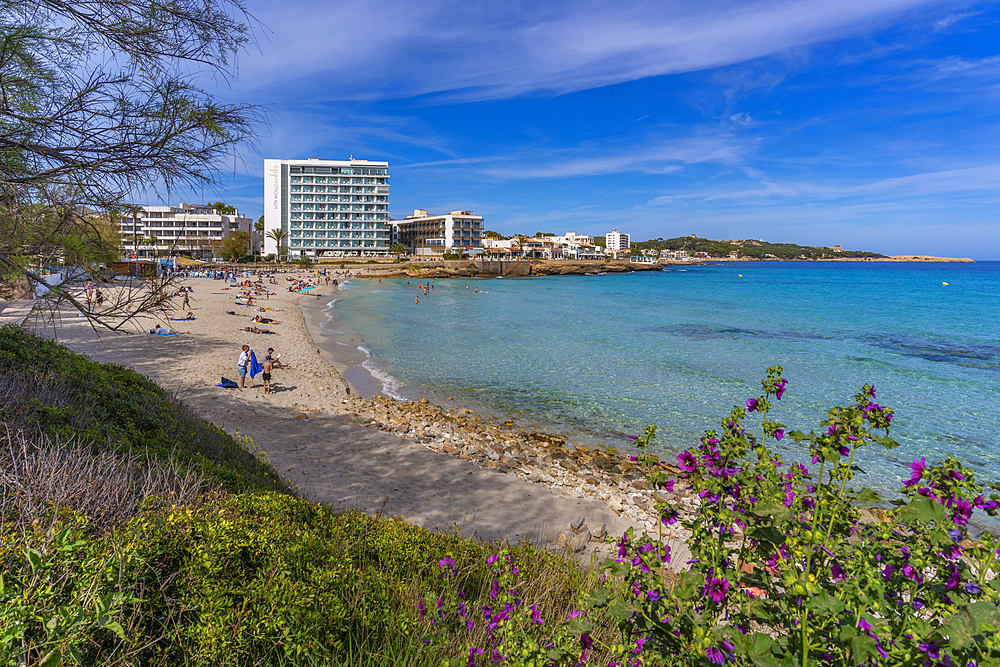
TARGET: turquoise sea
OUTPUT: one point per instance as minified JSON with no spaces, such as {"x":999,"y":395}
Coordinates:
{"x":598,"y":357}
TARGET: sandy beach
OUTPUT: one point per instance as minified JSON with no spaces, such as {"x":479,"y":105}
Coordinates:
{"x":321,"y":437}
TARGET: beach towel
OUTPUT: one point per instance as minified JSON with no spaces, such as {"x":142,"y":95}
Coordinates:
{"x":180,"y":319}
{"x":307,"y":289}
{"x":163,"y":334}
{"x":254,"y":366}
{"x":227,"y":384}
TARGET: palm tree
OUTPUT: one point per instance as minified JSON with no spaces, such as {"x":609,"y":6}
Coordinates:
{"x":279,"y":236}
{"x":397,"y":249}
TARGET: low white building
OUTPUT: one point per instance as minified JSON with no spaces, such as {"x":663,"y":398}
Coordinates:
{"x":426,"y":235}
{"x":197,"y":229}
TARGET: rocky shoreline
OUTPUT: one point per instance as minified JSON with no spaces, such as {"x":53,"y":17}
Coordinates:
{"x":604,"y":475}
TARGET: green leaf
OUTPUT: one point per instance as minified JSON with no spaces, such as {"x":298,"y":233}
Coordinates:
{"x":886,"y":442}
{"x":52,"y":659}
{"x":985,"y":612}
{"x":34,"y":558}
{"x":923,"y":509}
{"x":864,"y":495}
{"x":687,"y":584}
{"x":768,"y":534}
{"x":772,"y":508}
{"x":115,"y":627}
{"x":579,"y":625}
{"x":862,"y":648}
{"x":799,"y":436}
{"x":824,"y":602}
{"x":960,"y":628}
{"x":622,"y":610}
{"x":598,"y":599}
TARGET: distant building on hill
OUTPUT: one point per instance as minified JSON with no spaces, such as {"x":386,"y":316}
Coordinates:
{"x":427,"y":235}
{"x":197,"y":230}
{"x":327,"y":207}
{"x":615,"y":241}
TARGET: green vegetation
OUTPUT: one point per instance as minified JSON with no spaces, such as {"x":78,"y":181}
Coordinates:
{"x":240,"y":572}
{"x":749,"y":248}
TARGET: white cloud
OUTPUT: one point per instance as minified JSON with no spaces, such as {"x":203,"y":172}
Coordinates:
{"x":486,"y":50}
{"x":743,"y":119}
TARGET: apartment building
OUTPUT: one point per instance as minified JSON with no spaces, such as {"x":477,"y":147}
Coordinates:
{"x":427,"y":235}
{"x":194,"y":229}
{"x":327,"y":207}
{"x":615,"y":241}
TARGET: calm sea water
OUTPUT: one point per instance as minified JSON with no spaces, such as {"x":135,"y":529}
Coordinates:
{"x":598,"y":357}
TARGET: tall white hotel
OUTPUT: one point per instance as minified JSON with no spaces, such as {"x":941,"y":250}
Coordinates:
{"x":327,"y":207}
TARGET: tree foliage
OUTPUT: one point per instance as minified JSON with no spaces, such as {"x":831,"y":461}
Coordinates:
{"x":98,"y":106}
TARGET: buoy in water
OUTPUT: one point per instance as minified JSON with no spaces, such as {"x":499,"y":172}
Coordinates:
{"x":944,"y":283}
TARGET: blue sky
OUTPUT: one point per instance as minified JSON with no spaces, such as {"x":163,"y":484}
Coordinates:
{"x":872,"y":124}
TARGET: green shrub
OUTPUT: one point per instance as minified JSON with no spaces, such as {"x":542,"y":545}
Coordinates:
{"x":108,"y":406}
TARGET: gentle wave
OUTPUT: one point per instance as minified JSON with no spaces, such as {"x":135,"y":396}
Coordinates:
{"x":390,"y":385}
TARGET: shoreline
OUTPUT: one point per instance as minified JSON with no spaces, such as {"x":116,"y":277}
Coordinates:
{"x":432,"y":467}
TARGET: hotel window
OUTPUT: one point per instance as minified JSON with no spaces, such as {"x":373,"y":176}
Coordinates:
{"x":296,"y":179}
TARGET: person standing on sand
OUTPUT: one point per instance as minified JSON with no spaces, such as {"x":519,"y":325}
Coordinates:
{"x":241,"y":365}
{"x":186,"y":305}
{"x":265,"y":374}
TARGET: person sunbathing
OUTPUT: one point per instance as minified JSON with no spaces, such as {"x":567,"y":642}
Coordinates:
{"x":265,"y":320}
{"x":259,"y":331}
{"x":161,"y":330}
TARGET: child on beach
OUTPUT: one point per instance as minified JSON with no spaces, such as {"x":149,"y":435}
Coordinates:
{"x":241,"y":365}
{"x":265,"y":374}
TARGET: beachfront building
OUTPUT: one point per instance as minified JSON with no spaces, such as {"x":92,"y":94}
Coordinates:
{"x":196,"y":230}
{"x":428,"y":235}
{"x":615,"y":241}
{"x":332,"y":208}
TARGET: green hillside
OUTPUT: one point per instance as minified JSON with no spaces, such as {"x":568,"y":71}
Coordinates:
{"x":750,"y":248}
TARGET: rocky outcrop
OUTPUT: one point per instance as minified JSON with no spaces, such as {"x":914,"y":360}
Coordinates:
{"x":541,"y":458}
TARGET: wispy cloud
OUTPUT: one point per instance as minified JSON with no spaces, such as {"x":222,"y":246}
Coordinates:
{"x":485,"y":50}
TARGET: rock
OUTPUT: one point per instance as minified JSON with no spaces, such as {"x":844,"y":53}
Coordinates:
{"x":569,"y":465}
{"x":578,"y":542}
{"x":578,"y":524}
{"x":535,"y":477}
{"x":599,"y":532}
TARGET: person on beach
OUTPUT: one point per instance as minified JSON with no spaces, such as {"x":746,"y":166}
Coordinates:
{"x":161,"y":330}
{"x":265,"y":374}
{"x":186,"y":305}
{"x":275,"y":362}
{"x":265,"y":320}
{"x":242,"y":364}
{"x":416,"y":300}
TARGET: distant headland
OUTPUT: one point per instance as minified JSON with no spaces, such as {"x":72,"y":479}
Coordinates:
{"x":693,"y":247}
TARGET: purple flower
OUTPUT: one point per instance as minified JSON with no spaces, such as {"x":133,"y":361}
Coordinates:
{"x":716,"y":589}
{"x":447,"y":562}
{"x":954,"y":579}
{"x":586,"y":641}
{"x":973,"y":588}
{"x":808,"y":503}
{"x":715,"y":655}
{"x":930,"y":649}
{"x":623,"y":546}
{"x":837,"y":572}
{"x":919,"y":603}
{"x":473,"y":652}
{"x":421,"y":607}
{"x":653,"y":595}
{"x":536,"y":617}
{"x":492,"y":559}
{"x":918,"y":468}
{"x":844,"y":450}
{"x":779,"y":433}
{"x":687,"y":461}
{"x":751,"y":404}
{"x":963,"y":512}
{"x":668,"y":486}
{"x":780,"y":391}
{"x":670,"y":518}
